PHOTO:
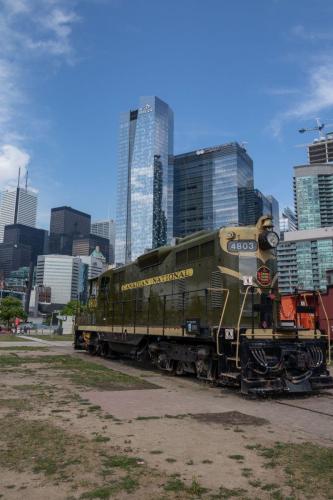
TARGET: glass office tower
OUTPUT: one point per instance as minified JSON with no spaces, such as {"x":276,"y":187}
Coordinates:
{"x":145,"y":146}
{"x":313,"y":195}
{"x":211,"y":188}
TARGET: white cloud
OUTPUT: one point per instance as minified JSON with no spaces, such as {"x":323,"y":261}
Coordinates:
{"x":317,"y":97}
{"x":28,"y":29}
{"x":11,"y":159}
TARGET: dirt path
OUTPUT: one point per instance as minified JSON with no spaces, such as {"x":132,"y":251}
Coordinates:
{"x":80,"y":427}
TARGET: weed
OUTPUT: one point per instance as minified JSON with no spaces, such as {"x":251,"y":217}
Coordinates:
{"x":270,"y":487}
{"x":174,"y":484}
{"x":207,"y":461}
{"x":122,"y":461}
{"x":102,"y":493}
{"x":225,"y":493}
{"x":256,"y":483}
{"x":153,"y":417}
{"x":156,"y":452}
{"x":246,"y":472}
{"x":196,"y":489}
{"x":94,"y":408}
{"x":101,"y":439}
{"x":236,"y":457}
{"x":170,"y":460}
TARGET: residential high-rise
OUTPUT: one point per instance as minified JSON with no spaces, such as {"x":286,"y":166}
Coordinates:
{"x":62,"y":274}
{"x":145,"y":147}
{"x":17,"y":206}
{"x":106,"y":229}
{"x":304,"y":257}
{"x":321,"y":150}
{"x":66,"y":225}
{"x":313,"y":195}
{"x":211,"y":187}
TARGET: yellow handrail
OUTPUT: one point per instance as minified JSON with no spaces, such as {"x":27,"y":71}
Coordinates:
{"x":238,"y":326}
{"x":328,"y":327}
{"x":221,"y":318}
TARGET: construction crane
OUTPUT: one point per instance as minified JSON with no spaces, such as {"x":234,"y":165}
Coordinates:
{"x":320,"y":127}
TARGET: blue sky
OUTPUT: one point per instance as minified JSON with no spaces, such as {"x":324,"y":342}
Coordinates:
{"x":253,"y":71}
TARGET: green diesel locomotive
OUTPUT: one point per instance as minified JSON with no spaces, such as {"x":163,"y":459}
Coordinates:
{"x":208,"y":306}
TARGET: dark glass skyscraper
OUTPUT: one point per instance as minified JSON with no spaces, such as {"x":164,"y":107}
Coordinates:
{"x":145,"y":146}
{"x":212,"y":188}
{"x":66,"y":225}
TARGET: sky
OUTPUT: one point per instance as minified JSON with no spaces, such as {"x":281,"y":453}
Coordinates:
{"x":248,"y":71}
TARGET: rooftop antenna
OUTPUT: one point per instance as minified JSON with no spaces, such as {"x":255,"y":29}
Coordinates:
{"x":19,"y":177}
{"x":26,"y":180}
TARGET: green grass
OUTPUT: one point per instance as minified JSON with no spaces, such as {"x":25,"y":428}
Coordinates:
{"x":81,"y":372}
{"x":10,"y":338}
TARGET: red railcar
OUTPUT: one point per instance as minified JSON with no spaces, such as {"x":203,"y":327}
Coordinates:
{"x":309,"y":309}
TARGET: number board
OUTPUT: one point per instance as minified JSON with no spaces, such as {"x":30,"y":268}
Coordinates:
{"x":242,"y":246}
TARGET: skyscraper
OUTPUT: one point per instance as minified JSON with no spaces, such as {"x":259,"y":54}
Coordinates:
{"x":66,"y":225}
{"x":211,"y":188}
{"x":313,"y":195}
{"x":106,"y":229}
{"x":145,"y":146}
{"x":17,"y":206}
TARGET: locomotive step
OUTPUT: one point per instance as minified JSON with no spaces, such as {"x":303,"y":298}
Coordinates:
{"x":233,"y":375}
{"x":231,"y":358}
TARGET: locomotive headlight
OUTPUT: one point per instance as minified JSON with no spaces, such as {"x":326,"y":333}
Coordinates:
{"x":268,"y":240}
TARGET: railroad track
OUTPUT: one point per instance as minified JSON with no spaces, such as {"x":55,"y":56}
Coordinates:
{"x":318,"y":412}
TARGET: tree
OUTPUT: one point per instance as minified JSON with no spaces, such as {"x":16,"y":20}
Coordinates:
{"x":10,"y":309}
{"x":71,"y":308}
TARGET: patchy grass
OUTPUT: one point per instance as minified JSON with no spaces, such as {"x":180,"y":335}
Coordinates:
{"x":309,"y":467}
{"x":177,"y":485}
{"x":80,"y":372}
{"x":225,"y":493}
{"x":36,"y":445}
{"x":15,"y":404}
